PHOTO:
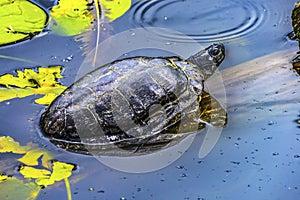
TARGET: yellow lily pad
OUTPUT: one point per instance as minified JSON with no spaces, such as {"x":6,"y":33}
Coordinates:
{"x":115,"y":8}
{"x":20,"y":20}
{"x":7,"y":145}
{"x":30,"y":172}
{"x":41,"y":176}
{"x":71,"y":17}
{"x":61,"y":171}
{"x":31,"y":158}
{"x":31,"y":153}
{"x":30,"y":82}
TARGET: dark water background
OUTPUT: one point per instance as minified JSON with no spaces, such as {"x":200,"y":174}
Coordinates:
{"x":241,"y":166}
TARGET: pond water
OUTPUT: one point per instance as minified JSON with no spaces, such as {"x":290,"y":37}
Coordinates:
{"x":257,"y":154}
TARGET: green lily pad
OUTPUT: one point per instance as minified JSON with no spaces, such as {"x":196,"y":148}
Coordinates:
{"x":20,"y":20}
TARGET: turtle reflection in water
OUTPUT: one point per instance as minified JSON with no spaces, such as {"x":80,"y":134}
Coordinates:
{"x":136,"y":106}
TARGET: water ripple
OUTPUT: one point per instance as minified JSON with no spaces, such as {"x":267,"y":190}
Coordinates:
{"x":207,"y":21}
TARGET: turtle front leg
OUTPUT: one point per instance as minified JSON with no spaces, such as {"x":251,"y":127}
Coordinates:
{"x":211,"y":112}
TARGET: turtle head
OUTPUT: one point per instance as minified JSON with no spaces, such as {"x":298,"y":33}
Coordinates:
{"x":217,"y":52}
{"x":58,"y":124}
{"x":209,"y":59}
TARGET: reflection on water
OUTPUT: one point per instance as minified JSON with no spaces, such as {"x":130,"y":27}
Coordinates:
{"x":202,"y":20}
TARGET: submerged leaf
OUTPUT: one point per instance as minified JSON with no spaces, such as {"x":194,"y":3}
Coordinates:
{"x":115,"y":8}
{"x":72,"y":17}
{"x":20,"y":20}
{"x":8,"y":145}
{"x":29,"y":82}
{"x":12,"y":188}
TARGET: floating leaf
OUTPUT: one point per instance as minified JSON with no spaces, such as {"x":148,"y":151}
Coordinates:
{"x":12,"y":188}
{"x":3,"y":177}
{"x":43,"y":177}
{"x":30,"y":172}
{"x":115,"y":8}
{"x":31,"y":158}
{"x":71,"y":17}
{"x":61,"y":171}
{"x":32,"y":153}
{"x":29,"y":82}
{"x":20,"y":20}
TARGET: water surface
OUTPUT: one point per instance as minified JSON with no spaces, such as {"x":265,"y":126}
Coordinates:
{"x":256,"y":156}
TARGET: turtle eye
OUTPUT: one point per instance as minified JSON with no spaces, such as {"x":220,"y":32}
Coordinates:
{"x":214,"y":52}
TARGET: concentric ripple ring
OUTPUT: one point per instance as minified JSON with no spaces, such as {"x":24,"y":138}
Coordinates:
{"x":208,"y":21}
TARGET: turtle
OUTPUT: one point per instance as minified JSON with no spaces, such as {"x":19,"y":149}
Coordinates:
{"x":136,"y":106}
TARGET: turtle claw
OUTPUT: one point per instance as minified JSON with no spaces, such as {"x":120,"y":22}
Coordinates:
{"x":203,"y":122}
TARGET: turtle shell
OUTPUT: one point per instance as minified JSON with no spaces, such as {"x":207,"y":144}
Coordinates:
{"x":129,"y":107}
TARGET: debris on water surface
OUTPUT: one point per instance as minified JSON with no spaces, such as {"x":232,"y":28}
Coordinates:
{"x":53,"y":57}
{"x":235,"y":162}
{"x":268,"y":138}
{"x":183,"y":175}
{"x":180,"y":167}
{"x":67,"y":59}
{"x":270,"y":123}
{"x":275,"y":154}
